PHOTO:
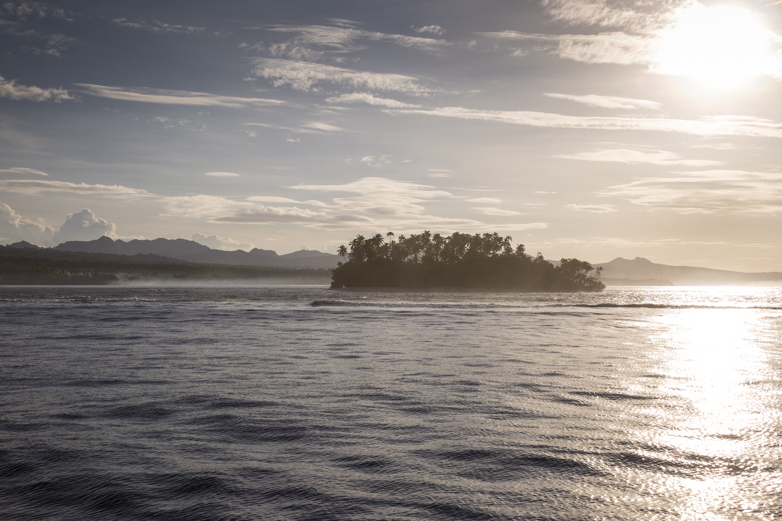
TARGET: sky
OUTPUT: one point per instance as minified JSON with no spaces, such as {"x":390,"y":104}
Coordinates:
{"x":588,"y":129}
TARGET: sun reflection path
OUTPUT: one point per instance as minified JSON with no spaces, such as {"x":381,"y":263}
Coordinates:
{"x":722,"y":428}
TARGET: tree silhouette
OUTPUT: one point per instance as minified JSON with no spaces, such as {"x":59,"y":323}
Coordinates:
{"x":487,"y":261}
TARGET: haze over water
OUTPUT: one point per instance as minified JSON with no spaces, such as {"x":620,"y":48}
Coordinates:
{"x":305,"y":403}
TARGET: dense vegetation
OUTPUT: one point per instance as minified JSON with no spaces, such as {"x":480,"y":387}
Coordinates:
{"x":28,"y":266}
{"x":427,"y":260}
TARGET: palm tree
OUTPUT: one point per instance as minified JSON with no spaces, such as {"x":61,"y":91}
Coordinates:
{"x":342,"y":251}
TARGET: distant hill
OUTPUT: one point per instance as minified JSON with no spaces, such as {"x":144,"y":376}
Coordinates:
{"x":22,"y":245}
{"x":640,"y":268}
{"x":192,"y":251}
{"x":46,"y":266}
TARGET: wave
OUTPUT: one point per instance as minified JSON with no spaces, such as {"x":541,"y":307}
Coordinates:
{"x":529,"y":305}
{"x":666,"y":306}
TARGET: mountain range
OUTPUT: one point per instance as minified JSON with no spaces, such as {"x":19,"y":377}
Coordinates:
{"x":638,"y":271}
{"x":191,"y":251}
{"x":633,"y":271}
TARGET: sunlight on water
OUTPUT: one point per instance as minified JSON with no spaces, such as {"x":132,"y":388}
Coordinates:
{"x":716,"y":366}
{"x":305,"y":403}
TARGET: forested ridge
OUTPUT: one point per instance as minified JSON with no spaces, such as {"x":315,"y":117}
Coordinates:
{"x":426,"y":260}
{"x":28,"y":266}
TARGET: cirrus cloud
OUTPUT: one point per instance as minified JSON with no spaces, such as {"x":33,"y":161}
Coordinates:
{"x":36,"y":187}
{"x":176,"y":97}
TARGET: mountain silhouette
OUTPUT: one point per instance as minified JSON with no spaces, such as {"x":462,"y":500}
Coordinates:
{"x":191,"y":251}
{"x":640,"y":268}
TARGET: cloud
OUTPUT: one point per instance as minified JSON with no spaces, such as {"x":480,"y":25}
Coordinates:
{"x":84,"y":226}
{"x":717,"y":146}
{"x":706,"y":192}
{"x":341,"y":40}
{"x":381,"y":196}
{"x":285,"y":200}
{"x":376,"y":204}
{"x":169,"y":123}
{"x":431,"y":29}
{"x":615,"y":47}
{"x":25,"y":10}
{"x":593,"y":208}
{"x":15,"y":228}
{"x":221,"y":174}
{"x":494,"y":211}
{"x":376,"y":162}
{"x":35,"y":187}
{"x":22,"y":170}
{"x":177,"y":97}
{"x":485,"y":200}
{"x":658,"y":157}
{"x":10,"y":89}
{"x":324,"y":127}
{"x":304,"y":76}
{"x":308,"y":128}
{"x":438,"y":172}
{"x":608,"y":102}
{"x":369,"y":99}
{"x":221,"y":209}
{"x":601,"y":13}
{"x":160,"y":27}
{"x":217,"y":242}
{"x":742,"y":127}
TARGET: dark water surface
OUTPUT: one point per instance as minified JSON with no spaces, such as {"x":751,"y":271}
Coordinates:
{"x":304,"y":403}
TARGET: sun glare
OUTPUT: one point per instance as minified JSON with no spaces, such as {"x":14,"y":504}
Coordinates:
{"x":721,"y":46}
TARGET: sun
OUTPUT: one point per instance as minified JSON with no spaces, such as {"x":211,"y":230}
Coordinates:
{"x":721,"y":46}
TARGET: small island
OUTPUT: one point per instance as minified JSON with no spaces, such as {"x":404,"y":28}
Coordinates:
{"x":463,"y":261}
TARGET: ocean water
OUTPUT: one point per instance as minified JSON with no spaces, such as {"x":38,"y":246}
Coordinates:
{"x":278,"y":403}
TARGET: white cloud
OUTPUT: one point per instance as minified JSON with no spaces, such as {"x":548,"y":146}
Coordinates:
{"x":744,"y":127}
{"x":285,"y":200}
{"x":363,"y":97}
{"x":593,"y":208}
{"x":615,"y":47}
{"x":382,"y":196}
{"x":84,"y":226}
{"x":22,"y":170}
{"x":619,"y":48}
{"x":176,"y":97}
{"x":377,"y":204}
{"x":221,"y":174}
{"x":376,"y":162}
{"x":311,"y":128}
{"x":713,"y":191}
{"x":494,"y":211}
{"x":216,"y":242}
{"x":658,"y":157}
{"x":35,"y":187}
{"x":10,"y":89}
{"x":160,"y":27}
{"x":431,"y":29}
{"x":26,"y":9}
{"x":601,"y":13}
{"x":485,"y":200}
{"x":221,"y":209}
{"x":438,"y":172}
{"x":324,"y":127}
{"x":15,"y":228}
{"x":608,"y":102}
{"x":304,"y":76}
{"x":340,"y":40}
